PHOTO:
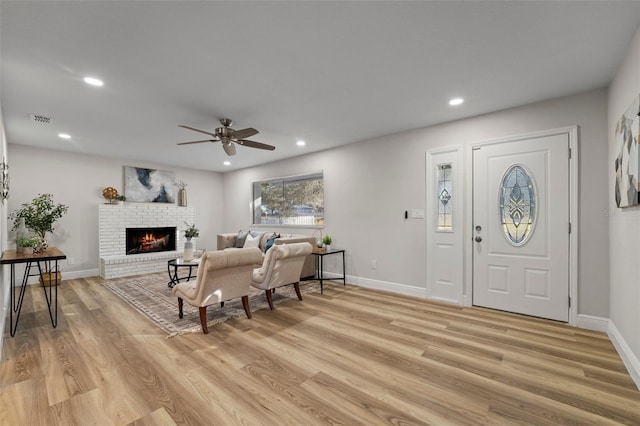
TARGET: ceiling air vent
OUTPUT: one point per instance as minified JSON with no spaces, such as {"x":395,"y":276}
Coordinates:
{"x":41,"y":119}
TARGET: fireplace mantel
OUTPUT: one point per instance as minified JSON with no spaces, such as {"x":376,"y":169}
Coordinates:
{"x":113,"y":221}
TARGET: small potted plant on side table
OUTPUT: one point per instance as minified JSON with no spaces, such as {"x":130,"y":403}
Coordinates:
{"x":189,"y":233}
{"x":27,"y":243}
{"x":39,"y":215}
{"x":327,"y":242}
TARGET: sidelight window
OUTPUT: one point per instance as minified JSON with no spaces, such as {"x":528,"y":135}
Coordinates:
{"x":444,"y":193}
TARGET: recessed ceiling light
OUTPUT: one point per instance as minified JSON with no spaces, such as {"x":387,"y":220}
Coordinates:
{"x":227,"y":163}
{"x":456,"y":101}
{"x":301,"y":143}
{"x":93,"y":81}
{"x":64,"y":135}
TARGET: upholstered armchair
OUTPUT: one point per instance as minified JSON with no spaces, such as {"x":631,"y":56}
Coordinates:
{"x":222,"y":275}
{"x":281,"y":266}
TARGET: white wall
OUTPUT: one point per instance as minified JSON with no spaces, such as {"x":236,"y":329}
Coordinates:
{"x":77,"y":180}
{"x":624,"y":224}
{"x":4,"y":275}
{"x":369,"y":185}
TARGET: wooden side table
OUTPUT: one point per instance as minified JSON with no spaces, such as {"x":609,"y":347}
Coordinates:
{"x":48,"y":257}
{"x":320,"y":255}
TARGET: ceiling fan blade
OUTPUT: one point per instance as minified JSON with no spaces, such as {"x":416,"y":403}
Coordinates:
{"x":229,"y":148}
{"x":206,"y":140}
{"x":254,"y":144}
{"x":245,"y":133}
{"x":196,"y":130}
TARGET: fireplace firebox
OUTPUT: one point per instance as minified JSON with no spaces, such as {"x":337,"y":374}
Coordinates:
{"x":150,"y":240}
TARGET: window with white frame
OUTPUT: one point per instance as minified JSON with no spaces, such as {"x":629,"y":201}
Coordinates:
{"x":294,"y":200}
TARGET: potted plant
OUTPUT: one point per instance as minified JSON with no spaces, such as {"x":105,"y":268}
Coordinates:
{"x":27,"y":243}
{"x":189,"y":233}
{"x":326,"y":240}
{"x":40,"y":214}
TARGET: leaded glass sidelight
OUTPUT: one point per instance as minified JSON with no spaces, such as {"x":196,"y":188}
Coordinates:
{"x":444,"y":193}
{"x":518,"y":200}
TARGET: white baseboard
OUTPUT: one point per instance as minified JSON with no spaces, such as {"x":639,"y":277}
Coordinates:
{"x":629,"y":359}
{"x":381,"y":285}
{"x":72,"y":275}
{"x":593,"y":323}
{"x":69,"y":275}
{"x":445,"y":300}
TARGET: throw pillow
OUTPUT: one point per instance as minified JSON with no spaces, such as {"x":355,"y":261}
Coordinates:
{"x":270,"y":241}
{"x":251,"y":241}
{"x":240,"y":239}
{"x":259,"y":236}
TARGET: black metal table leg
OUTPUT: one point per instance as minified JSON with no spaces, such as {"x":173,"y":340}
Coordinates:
{"x":320,"y":273}
{"x":50,"y":297}
{"x":344,"y":271}
{"x":16,"y":305}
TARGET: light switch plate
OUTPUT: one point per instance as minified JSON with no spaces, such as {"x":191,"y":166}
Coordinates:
{"x":417,"y":214}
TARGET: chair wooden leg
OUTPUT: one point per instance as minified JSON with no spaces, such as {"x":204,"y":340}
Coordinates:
{"x":297,"y":287}
{"x":203,"y":318}
{"x":270,"y":299}
{"x":179,"y":307}
{"x":245,"y":304}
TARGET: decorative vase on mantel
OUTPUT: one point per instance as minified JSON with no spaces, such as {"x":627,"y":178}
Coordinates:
{"x":182,"y":197}
{"x":187,"y":254}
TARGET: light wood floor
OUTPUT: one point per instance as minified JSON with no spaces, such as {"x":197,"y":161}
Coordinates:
{"x":351,"y":356}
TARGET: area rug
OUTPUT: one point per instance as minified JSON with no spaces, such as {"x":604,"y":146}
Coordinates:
{"x":150,"y":295}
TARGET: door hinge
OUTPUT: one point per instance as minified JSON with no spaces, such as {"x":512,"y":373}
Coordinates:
{"x":569,"y":153}
{"x":569,"y":227}
{"x":569,"y":301}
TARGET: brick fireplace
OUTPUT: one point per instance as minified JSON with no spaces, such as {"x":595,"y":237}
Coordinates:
{"x":113,"y":221}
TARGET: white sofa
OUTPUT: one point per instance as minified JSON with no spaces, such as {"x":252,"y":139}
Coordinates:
{"x":228,"y":240}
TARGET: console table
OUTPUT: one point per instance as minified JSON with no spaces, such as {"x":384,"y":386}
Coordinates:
{"x":320,"y":255}
{"x":47,"y":258}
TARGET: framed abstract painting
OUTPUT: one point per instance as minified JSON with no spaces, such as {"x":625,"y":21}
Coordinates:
{"x":627,"y":163}
{"x":149,"y":185}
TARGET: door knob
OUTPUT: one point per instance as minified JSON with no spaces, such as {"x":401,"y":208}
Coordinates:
{"x":478,"y":238}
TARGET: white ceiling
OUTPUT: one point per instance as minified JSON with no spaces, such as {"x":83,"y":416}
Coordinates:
{"x":330,"y":73}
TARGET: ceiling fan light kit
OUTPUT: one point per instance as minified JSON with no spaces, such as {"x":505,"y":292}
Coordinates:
{"x":229,"y":137}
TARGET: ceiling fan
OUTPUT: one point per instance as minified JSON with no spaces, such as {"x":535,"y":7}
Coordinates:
{"x":229,"y":136}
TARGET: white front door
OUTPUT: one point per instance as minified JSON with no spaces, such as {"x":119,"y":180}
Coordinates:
{"x":521,"y":226}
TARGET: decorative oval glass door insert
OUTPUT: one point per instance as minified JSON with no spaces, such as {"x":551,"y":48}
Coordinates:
{"x":518,"y":200}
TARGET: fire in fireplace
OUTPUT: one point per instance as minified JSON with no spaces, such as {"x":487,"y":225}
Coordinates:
{"x":149,"y":240}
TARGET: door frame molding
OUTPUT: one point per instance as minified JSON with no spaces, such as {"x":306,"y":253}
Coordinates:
{"x":572,"y":134}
